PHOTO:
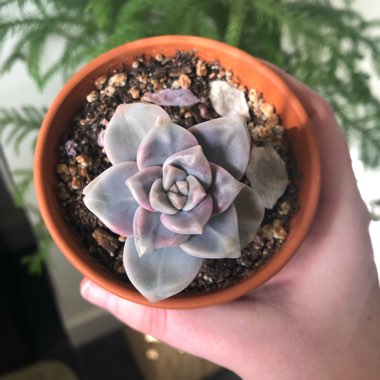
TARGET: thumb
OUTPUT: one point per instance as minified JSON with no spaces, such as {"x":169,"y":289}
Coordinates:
{"x":213,"y":333}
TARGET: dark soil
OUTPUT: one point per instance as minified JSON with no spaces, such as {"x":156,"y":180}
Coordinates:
{"x":81,"y":159}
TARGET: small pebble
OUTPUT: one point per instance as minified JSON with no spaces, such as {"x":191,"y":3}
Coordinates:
{"x":134,"y":92}
{"x":76,"y":183}
{"x":285,"y":208}
{"x":184,"y":81}
{"x":100,"y":82}
{"x":267,"y":109}
{"x":159,"y":57}
{"x":143,"y":78}
{"x":253,"y":96}
{"x":62,"y":169}
{"x":92,"y":96}
{"x":83,"y":172}
{"x":201,"y":69}
{"x":118,"y":80}
{"x":273,"y":119}
{"x":109,"y":91}
{"x":175,"y":84}
{"x":83,"y":160}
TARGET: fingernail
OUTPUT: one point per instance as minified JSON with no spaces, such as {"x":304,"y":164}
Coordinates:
{"x":84,"y":287}
{"x":94,"y":293}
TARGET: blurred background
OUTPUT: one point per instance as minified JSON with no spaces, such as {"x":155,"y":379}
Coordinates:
{"x":46,"y":329}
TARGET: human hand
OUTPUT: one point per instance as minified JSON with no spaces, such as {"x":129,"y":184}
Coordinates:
{"x":318,"y":318}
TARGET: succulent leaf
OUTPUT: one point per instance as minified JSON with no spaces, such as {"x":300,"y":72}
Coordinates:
{"x":171,"y":175}
{"x":189,"y":222}
{"x":227,"y":100}
{"x":159,"y":199}
{"x":141,"y":183}
{"x":250,"y":213}
{"x":177,"y":200}
{"x":224,"y":188}
{"x":220,"y":238}
{"x":171,"y":97}
{"x":267,"y":174}
{"x":162,"y":273}
{"x":196,"y":193}
{"x":150,"y":234}
{"x":183,"y":187}
{"x":108,"y":197}
{"x":127,"y":128}
{"x":174,"y":188}
{"x":100,"y":139}
{"x":162,"y":141}
{"x":193,"y":162}
{"x":225,"y":142}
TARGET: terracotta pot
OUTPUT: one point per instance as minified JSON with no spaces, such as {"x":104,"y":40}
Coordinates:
{"x":252,"y":73}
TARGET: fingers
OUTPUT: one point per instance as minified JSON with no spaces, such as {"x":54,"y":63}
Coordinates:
{"x":149,"y":321}
{"x":188,"y":330}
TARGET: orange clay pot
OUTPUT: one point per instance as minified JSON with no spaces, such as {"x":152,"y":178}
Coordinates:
{"x":253,"y":74}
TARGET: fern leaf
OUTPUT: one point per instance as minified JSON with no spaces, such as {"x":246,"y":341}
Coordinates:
{"x":36,"y":43}
{"x":15,"y":55}
{"x":235,"y":22}
{"x":23,"y":181}
{"x":36,"y":261}
{"x":102,"y":12}
{"x":35,"y":26}
{"x":17,"y":124}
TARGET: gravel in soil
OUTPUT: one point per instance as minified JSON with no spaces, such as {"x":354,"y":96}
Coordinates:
{"x":82,"y":158}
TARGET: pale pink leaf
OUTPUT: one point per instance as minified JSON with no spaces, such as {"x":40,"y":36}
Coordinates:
{"x":169,"y":97}
{"x":162,"y":273}
{"x":267,"y":174}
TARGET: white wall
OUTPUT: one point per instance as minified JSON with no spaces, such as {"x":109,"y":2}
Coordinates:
{"x":82,"y":320}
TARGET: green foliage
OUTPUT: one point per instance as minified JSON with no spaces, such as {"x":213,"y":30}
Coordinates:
{"x":320,"y":44}
{"x":35,"y":261}
{"x":17,"y":124}
{"x":23,"y":180}
{"x":375,"y":210}
{"x":235,"y":24}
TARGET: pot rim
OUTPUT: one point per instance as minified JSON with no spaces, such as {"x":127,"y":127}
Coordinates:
{"x":50,"y":217}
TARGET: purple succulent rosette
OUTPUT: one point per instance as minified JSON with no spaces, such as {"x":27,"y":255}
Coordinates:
{"x":175,"y":194}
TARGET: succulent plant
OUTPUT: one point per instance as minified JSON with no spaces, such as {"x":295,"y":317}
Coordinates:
{"x":175,"y":194}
